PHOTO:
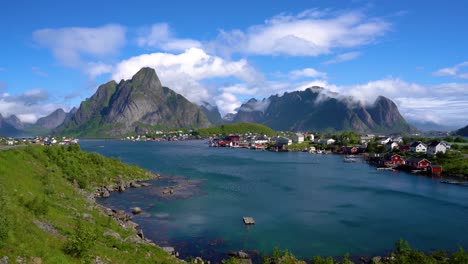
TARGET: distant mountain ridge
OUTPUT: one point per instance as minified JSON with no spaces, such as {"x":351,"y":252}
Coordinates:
{"x":136,"y":105}
{"x":462,"y":131}
{"x":312,"y":109}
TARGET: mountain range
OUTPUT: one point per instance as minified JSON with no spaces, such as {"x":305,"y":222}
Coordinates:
{"x":142,"y":104}
{"x":139,"y":105}
{"x":315,"y":109}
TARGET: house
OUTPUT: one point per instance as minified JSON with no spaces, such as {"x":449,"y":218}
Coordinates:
{"x":232,"y":141}
{"x":436,"y":147}
{"x":418,"y":147}
{"x":436,"y":170}
{"x":398,"y":140}
{"x":260,"y":140}
{"x":309,"y":137}
{"x":418,"y":163}
{"x":446,"y":144}
{"x":283,"y":141}
{"x":326,"y":141}
{"x":366,"y":138}
{"x":298,"y":138}
{"x":405,"y":148}
{"x":349,"y":150}
{"x":394,"y":160}
{"x":391,"y":145}
{"x":385,"y":140}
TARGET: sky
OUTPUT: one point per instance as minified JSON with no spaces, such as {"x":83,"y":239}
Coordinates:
{"x":55,"y":54}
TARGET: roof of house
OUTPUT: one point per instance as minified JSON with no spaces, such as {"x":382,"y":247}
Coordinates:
{"x":416,"y":160}
{"x":434,"y":144}
{"x":415,"y":144}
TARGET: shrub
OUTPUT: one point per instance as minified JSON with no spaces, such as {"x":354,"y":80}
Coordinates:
{"x":4,"y":220}
{"x":36,"y":206}
{"x":81,"y":241}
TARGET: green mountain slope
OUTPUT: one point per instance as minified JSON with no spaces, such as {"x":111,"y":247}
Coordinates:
{"x":42,"y":215}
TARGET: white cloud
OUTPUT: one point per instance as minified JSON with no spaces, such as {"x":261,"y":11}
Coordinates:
{"x":344,"y":57}
{"x":227,"y":102}
{"x":160,"y":36}
{"x":455,"y":71}
{"x":69,"y":45}
{"x":94,"y":69}
{"x":28,"y":106}
{"x":307,"y":72}
{"x":185,"y":72}
{"x":310,"y":33}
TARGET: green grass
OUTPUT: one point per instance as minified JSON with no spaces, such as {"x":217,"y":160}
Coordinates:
{"x":237,"y":128}
{"x":36,"y":185}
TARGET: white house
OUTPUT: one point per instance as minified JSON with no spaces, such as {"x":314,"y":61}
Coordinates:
{"x":435,"y":147}
{"x":385,"y":140}
{"x":283,"y":141}
{"x":327,"y":141}
{"x":366,"y":138}
{"x":261,"y":140}
{"x":311,"y":136}
{"x":418,"y":146}
{"x":391,"y":145}
{"x":398,"y":140}
{"x":298,"y":138}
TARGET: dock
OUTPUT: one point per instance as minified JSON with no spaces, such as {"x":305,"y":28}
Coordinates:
{"x":248,"y":220}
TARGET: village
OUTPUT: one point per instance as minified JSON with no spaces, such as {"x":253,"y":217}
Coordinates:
{"x":38,"y":140}
{"x":385,"y":152}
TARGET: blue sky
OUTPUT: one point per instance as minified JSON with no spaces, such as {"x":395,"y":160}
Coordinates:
{"x":414,"y":52}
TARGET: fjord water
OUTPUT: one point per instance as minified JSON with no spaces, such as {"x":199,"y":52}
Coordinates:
{"x":309,"y":204}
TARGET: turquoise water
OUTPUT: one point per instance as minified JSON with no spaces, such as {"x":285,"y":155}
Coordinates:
{"x":309,"y":204}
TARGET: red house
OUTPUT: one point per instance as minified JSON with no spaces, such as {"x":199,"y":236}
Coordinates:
{"x":436,"y":170}
{"x":393,"y":160}
{"x":232,"y":141}
{"x":418,"y":163}
{"x":349,"y":150}
{"x":405,"y":148}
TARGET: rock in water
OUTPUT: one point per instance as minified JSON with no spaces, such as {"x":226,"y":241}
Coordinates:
{"x":136,"y":210}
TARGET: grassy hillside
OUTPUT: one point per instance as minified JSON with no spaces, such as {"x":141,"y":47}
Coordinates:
{"x":237,"y":128}
{"x":43,"y":215}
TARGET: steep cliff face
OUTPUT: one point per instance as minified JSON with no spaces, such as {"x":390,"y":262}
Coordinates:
{"x":462,"y":131}
{"x":312,"y":110}
{"x":212,"y":113}
{"x":53,"y":120}
{"x":6,"y":129}
{"x":133,"y":105}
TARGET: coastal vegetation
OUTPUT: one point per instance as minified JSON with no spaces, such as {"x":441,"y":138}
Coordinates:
{"x":46,"y":216}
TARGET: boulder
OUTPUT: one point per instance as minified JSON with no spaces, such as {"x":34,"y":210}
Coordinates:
{"x":169,"y":250}
{"x":112,"y":233}
{"x":145,"y":184}
{"x":134,"y":239}
{"x":36,"y":260}
{"x":4,"y":260}
{"x":139,"y":233}
{"x":122,"y":187}
{"x":376,"y":260}
{"x":121,"y":215}
{"x":136,"y":210}
{"x":105,"y":194}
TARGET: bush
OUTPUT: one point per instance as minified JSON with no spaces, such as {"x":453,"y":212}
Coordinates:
{"x":36,"y":206}
{"x":81,"y":241}
{"x":4,"y":220}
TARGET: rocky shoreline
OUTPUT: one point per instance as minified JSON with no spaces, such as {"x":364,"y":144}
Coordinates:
{"x":124,"y":219}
